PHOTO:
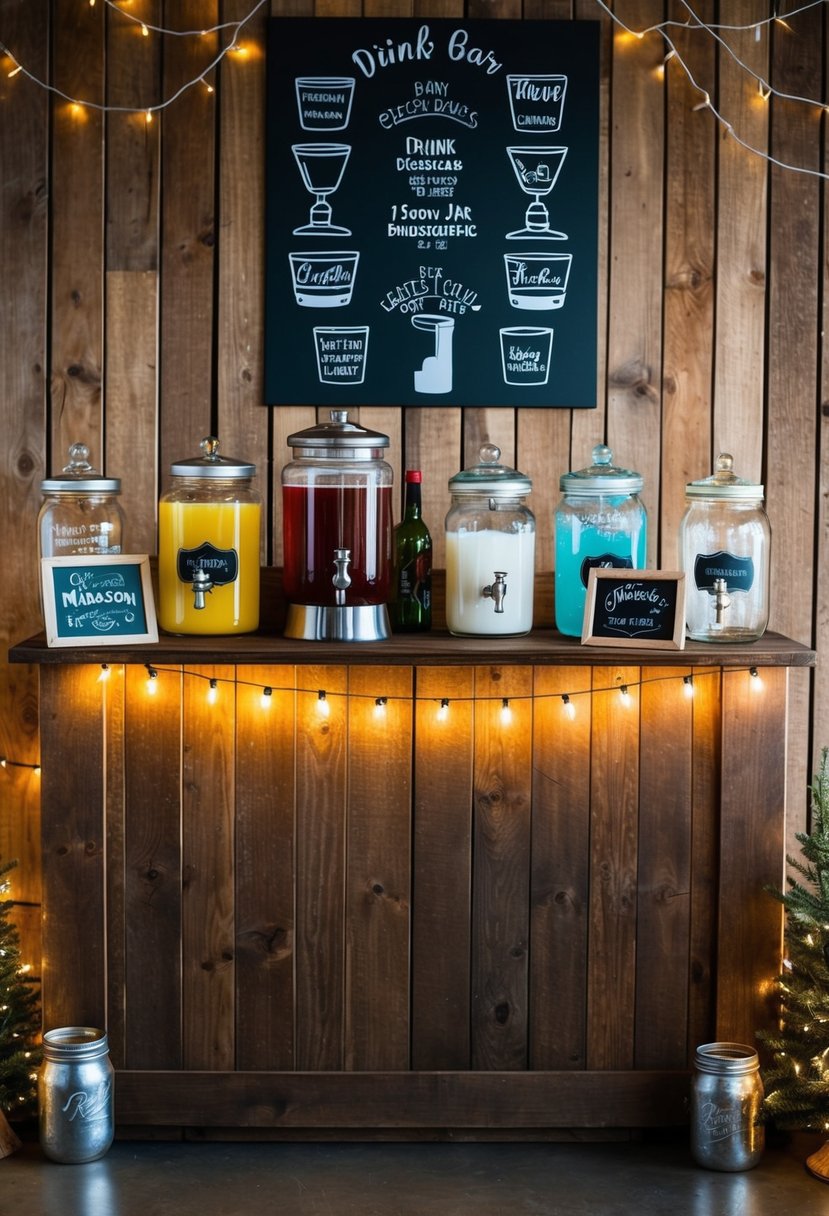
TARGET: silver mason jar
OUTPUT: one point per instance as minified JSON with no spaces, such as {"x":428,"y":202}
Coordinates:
{"x":726,"y":1107}
{"x":75,"y":1095}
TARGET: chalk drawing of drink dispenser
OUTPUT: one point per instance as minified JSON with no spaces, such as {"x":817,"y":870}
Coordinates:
{"x":435,"y":374}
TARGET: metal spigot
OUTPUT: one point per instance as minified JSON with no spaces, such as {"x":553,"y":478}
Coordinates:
{"x":202,"y":584}
{"x":497,"y":590}
{"x":341,"y":580}
{"x":722,"y":598}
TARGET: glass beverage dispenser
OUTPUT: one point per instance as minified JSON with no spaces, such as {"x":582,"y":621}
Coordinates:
{"x":337,"y":533}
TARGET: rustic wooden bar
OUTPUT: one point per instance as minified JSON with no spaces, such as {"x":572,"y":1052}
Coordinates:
{"x":446,"y":907}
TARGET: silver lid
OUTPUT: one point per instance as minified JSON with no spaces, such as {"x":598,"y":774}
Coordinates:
{"x":338,"y":434}
{"x":602,"y":476}
{"x":724,"y":483}
{"x":726,"y":1059}
{"x":211,"y":464}
{"x":490,"y":477}
{"x":79,"y":477}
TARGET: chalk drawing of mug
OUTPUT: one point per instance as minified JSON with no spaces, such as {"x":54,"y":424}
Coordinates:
{"x":536,"y":101}
{"x":322,"y":279}
{"x":537,"y":281}
{"x":525,"y":354}
{"x":342,"y":351}
{"x":324,"y":102}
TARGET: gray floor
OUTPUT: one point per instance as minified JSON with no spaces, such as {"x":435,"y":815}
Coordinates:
{"x":634,"y":1179}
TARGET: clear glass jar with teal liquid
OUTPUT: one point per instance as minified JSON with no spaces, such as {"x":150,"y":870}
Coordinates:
{"x":600,"y":522}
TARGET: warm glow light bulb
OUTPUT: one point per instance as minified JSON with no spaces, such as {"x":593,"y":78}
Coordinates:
{"x":152,"y":681}
{"x":266,"y":700}
{"x":323,"y":708}
{"x":212,"y":692}
{"x":506,"y":711}
{"x":569,"y":707}
{"x":756,"y":682}
{"x":380,"y":707}
{"x":105,"y":673}
{"x":624,"y":694}
{"x":443,"y":711}
{"x":688,"y":682}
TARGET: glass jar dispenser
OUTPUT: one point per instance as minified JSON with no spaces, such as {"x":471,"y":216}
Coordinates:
{"x":600,"y":522}
{"x":208,"y":546}
{"x":80,"y":511}
{"x":490,"y":550}
{"x":724,"y":545}
{"x":337,"y":533}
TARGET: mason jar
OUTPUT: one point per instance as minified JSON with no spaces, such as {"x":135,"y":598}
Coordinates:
{"x":600,"y":522}
{"x":80,"y":512}
{"x":490,"y":550}
{"x":725,"y":549}
{"x":75,"y":1095}
{"x":726,"y":1107}
{"x":208,"y":546}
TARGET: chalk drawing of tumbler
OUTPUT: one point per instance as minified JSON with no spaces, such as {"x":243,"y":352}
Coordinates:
{"x":435,"y":375}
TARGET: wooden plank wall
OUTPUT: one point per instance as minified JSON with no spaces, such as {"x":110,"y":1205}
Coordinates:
{"x":132,"y":311}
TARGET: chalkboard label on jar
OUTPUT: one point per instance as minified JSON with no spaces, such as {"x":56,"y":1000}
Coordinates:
{"x":642,"y":608}
{"x":605,"y":561}
{"x":738,"y":572}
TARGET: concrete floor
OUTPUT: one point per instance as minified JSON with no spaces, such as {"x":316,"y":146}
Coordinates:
{"x":445,"y":1179}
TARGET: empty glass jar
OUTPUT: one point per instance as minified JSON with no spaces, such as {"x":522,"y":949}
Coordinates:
{"x":80,"y":511}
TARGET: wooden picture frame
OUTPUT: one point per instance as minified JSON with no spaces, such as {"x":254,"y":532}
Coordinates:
{"x":98,"y":600}
{"x":635,"y":608}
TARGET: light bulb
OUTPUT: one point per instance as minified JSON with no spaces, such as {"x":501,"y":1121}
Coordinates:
{"x":266,"y":700}
{"x":443,"y":711}
{"x":569,"y":707}
{"x":506,"y":712}
{"x":323,"y":708}
{"x":212,"y":692}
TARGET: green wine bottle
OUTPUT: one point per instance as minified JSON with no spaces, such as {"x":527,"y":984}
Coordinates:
{"x":410,"y":609}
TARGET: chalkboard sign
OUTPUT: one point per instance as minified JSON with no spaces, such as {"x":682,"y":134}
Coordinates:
{"x":432,"y":212}
{"x":643,"y":608}
{"x":98,"y":600}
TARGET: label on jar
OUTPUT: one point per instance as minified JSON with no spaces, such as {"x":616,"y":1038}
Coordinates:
{"x":738,"y":572}
{"x":605,"y":561}
{"x":222,"y":565}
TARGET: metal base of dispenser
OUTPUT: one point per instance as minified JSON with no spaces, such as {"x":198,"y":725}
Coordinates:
{"x":312,"y":623}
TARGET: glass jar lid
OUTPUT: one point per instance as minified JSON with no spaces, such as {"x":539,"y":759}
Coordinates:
{"x":602,"y":476}
{"x":211,"y":464}
{"x":338,"y":437}
{"x":724,"y":483}
{"x":490,"y":477}
{"x":80,"y":477}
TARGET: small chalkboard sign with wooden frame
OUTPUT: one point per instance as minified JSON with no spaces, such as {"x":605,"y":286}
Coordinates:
{"x":642,"y":608}
{"x":98,"y":600}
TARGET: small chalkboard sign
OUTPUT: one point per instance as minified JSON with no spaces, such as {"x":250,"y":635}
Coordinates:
{"x":101,"y":601}
{"x":643,"y":608}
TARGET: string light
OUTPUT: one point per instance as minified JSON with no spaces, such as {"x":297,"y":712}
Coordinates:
{"x":443,"y":709}
{"x":688,"y":681}
{"x":105,"y":673}
{"x":152,"y":680}
{"x":266,"y":700}
{"x":569,"y":707}
{"x":756,"y":682}
{"x":323,"y":708}
{"x":380,"y":707}
{"x":213,"y":692}
{"x":506,"y":711}
{"x":624,"y":694}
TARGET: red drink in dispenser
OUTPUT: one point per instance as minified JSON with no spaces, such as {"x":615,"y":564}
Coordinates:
{"x":337,"y":533}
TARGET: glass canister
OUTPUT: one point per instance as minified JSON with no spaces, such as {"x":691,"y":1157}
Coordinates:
{"x":80,"y":511}
{"x":337,"y":532}
{"x":208,"y":546}
{"x":725,"y":547}
{"x":727,"y":1132}
{"x":600,"y":522}
{"x":75,"y":1095}
{"x":490,"y":550}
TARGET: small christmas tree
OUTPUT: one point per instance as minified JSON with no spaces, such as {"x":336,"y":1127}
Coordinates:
{"x":797,"y":1083}
{"x":19,"y":1024}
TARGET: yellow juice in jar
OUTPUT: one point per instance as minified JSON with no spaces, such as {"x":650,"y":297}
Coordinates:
{"x":226,"y":526}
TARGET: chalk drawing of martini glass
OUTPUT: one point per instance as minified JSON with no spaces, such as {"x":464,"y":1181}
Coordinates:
{"x":321,"y":167}
{"x":537,"y":169}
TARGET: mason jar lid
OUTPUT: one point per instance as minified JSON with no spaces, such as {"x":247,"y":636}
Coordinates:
{"x":75,"y":1043}
{"x":80,"y":477}
{"x":211,"y":464}
{"x":724,"y":483}
{"x":601,"y":477}
{"x":490,"y":478}
{"x":726,"y":1059}
{"x":338,"y":436}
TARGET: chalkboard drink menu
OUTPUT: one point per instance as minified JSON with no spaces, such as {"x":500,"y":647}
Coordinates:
{"x":432,"y":212}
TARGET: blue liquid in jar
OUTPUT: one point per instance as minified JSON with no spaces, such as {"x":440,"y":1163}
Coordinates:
{"x":613,"y":528}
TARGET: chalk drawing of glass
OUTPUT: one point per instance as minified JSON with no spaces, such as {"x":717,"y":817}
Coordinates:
{"x":342,"y":351}
{"x":321,"y":167}
{"x":536,"y":101}
{"x":525,"y":354}
{"x":537,"y":169}
{"x":435,"y":375}
{"x":537,"y":281}
{"x":324,"y":102}
{"x":322,"y":279}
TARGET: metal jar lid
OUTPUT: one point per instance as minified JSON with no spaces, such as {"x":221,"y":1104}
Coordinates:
{"x":211,"y":464}
{"x":490,"y":478}
{"x":724,"y":483}
{"x":79,"y":477}
{"x":339,"y":437}
{"x":601,"y":477}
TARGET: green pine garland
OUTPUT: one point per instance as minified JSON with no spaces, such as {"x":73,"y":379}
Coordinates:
{"x":19,"y":1018}
{"x":797,"y":1083}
